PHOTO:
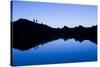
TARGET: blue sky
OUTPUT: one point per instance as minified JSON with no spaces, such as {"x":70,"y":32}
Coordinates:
{"x":56,"y":15}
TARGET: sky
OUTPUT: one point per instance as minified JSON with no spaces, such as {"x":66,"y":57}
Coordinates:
{"x":55,"y":14}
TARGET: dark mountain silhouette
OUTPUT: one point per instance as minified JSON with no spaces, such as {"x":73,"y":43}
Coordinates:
{"x":27,"y":34}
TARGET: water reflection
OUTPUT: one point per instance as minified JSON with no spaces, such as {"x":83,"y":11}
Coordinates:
{"x":58,"y":51}
{"x":34,"y":43}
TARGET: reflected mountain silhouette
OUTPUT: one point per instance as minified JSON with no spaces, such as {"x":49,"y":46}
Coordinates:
{"x":27,"y":34}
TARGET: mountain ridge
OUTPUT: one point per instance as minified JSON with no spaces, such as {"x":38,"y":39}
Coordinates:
{"x":26,"y":33}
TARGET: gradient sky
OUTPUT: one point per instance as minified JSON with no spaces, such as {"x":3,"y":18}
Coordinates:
{"x":56,"y":15}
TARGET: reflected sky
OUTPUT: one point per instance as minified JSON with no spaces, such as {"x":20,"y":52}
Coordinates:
{"x":58,"y":51}
{"x":56,"y":15}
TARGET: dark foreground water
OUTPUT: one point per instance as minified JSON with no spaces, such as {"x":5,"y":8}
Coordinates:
{"x":58,"y":51}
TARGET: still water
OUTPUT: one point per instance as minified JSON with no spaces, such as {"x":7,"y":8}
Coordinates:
{"x":57,"y":51}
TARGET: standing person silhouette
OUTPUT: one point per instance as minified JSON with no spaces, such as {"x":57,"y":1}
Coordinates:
{"x":36,"y":21}
{"x":33,"y":20}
